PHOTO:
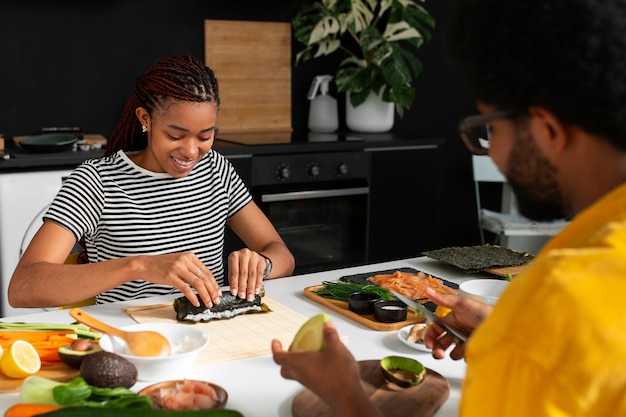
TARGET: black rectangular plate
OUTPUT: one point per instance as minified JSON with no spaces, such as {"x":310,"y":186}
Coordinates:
{"x":362,"y":279}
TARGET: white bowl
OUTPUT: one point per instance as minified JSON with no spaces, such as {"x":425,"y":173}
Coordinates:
{"x":186,"y":340}
{"x":485,"y":290}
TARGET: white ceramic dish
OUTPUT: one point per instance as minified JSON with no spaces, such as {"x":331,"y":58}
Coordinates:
{"x":402,"y":335}
{"x":485,"y":290}
{"x":186,"y":340}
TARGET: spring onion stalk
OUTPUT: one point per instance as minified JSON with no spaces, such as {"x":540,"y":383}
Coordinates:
{"x":342,"y":290}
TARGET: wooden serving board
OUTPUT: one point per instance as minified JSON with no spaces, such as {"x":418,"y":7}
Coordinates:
{"x":422,"y":400}
{"x":252,"y":63}
{"x":513,"y":270}
{"x":57,"y":371}
{"x":368,"y":320}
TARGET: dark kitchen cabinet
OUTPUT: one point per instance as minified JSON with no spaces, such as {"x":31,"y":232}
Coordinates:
{"x":404,"y":206}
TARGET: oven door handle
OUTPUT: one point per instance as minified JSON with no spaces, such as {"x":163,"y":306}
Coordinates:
{"x":302,"y":195}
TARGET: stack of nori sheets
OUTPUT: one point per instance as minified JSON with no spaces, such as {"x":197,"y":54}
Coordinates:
{"x":477,"y":258}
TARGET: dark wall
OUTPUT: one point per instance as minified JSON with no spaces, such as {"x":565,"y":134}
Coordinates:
{"x":73,"y":63}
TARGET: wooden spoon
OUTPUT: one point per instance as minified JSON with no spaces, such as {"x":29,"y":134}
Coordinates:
{"x":140,"y":343}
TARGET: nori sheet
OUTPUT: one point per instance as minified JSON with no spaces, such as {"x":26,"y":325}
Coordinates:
{"x":183,"y":306}
{"x":477,"y":258}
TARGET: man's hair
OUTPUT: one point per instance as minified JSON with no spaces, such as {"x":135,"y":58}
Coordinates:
{"x":568,"y":56}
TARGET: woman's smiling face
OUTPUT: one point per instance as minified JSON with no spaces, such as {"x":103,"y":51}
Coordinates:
{"x":179,"y":135}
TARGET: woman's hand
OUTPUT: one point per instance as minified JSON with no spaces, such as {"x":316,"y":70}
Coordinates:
{"x":245,"y":273}
{"x":332,"y":374}
{"x":185,"y":272}
{"x":465,"y":315}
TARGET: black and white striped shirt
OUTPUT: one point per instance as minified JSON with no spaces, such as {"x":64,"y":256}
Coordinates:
{"x":125,"y":210}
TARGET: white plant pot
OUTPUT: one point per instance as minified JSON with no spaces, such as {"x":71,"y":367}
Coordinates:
{"x":371,"y":116}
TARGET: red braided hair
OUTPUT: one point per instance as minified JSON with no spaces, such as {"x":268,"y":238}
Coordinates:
{"x":182,"y":78}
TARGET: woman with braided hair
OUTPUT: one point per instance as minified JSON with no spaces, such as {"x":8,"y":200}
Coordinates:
{"x":153,"y":209}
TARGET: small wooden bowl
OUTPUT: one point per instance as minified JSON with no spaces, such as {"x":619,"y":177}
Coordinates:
{"x":152,"y":390}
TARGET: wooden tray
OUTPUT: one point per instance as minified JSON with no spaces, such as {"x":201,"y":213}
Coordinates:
{"x":422,"y":400}
{"x":57,"y":371}
{"x":341,"y":307}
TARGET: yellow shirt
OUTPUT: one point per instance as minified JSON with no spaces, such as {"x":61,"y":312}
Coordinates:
{"x":555,"y":344}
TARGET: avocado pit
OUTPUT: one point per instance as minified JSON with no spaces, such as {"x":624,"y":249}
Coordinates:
{"x":73,"y":354}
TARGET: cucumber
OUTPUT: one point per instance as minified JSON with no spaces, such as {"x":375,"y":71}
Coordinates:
{"x":130,"y":412}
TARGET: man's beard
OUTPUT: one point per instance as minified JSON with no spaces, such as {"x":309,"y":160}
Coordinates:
{"x":533,"y":180}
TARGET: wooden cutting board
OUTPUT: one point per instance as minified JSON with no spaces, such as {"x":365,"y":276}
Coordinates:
{"x":57,"y":371}
{"x":252,"y":64}
{"x":422,"y":400}
{"x":368,"y":320}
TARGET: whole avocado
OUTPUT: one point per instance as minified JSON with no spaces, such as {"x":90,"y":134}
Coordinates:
{"x":108,"y":370}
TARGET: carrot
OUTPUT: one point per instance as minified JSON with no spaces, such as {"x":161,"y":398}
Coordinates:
{"x":46,"y":342}
{"x":29,"y":410}
{"x":33,"y":334}
{"x":49,"y":355}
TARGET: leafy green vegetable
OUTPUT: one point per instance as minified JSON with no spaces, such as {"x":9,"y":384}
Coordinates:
{"x":73,"y":392}
{"x":509,"y":277}
{"x":342,"y":290}
{"x":39,"y":390}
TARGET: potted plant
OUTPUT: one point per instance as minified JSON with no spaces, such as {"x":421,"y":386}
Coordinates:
{"x":378,"y":39}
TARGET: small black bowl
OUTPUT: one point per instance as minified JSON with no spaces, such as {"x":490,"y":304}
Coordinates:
{"x":362,"y":302}
{"x":390,"y":311}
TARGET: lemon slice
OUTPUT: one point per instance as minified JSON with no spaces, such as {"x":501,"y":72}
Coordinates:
{"x":20,"y":360}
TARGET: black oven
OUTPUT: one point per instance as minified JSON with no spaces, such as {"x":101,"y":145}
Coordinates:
{"x":318,"y":203}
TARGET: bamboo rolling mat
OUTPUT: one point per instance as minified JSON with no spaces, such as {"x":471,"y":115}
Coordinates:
{"x":241,"y":337}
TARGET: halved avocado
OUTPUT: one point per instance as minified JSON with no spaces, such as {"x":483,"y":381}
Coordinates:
{"x":310,"y":336}
{"x":73,"y":358}
{"x":404,"y":372}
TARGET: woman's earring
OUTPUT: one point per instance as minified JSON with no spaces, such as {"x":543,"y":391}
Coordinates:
{"x":144,"y":129}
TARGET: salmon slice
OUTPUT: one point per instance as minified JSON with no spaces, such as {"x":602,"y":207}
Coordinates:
{"x":411,"y":285}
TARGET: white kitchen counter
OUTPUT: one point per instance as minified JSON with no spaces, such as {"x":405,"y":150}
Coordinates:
{"x":254,"y":385}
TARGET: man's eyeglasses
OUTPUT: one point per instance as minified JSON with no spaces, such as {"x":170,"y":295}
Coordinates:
{"x":475,"y":133}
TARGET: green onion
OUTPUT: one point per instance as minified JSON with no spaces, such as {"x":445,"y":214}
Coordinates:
{"x":342,"y":290}
{"x":80,"y":329}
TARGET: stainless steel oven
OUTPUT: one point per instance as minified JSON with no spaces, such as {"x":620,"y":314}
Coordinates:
{"x":318,"y":202}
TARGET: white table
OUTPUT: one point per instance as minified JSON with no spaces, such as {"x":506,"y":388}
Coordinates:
{"x":254,"y":385}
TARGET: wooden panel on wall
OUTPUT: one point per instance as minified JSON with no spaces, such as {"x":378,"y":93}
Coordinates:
{"x":252,"y":63}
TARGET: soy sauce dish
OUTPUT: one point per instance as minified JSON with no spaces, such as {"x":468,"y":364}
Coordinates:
{"x":362,"y":302}
{"x":390,"y":311}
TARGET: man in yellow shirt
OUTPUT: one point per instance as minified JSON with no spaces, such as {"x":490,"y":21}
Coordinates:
{"x":549,"y":77}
